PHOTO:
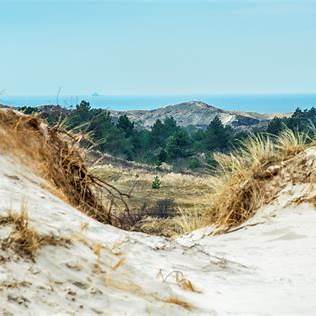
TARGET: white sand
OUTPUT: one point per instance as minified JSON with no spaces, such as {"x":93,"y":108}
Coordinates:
{"x":265,"y":268}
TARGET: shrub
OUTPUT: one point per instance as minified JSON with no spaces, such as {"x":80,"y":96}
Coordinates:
{"x":156,"y":183}
{"x":163,"y":208}
{"x":194,"y":163}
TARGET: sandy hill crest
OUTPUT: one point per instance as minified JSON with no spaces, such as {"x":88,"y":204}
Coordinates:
{"x":195,"y":113}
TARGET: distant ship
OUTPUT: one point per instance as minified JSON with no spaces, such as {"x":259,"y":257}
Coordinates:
{"x":95,"y":94}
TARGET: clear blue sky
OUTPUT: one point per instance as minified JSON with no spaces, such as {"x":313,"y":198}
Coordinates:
{"x":157,"y":47}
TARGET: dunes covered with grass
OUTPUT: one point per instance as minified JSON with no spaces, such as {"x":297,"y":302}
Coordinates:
{"x":250,"y":177}
{"x":242,"y":181}
{"x":242,"y":231}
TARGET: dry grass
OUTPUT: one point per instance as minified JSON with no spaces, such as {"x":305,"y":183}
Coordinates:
{"x":118,"y":264}
{"x":241,"y":184}
{"x":156,"y":226}
{"x":245,"y":180}
{"x":23,"y":239}
{"x":186,"y":190}
{"x":191,"y":195}
{"x":97,"y":248}
{"x":180,"y":280}
{"x":179,"y":302}
{"x":188,"y":221}
{"x":55,"y":154}
{"x":290,"y":143}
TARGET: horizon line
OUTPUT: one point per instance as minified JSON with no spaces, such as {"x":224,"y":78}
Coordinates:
{"x":97,"y":94}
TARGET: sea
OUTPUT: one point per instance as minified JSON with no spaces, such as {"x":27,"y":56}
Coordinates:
{"x":262,"y":103}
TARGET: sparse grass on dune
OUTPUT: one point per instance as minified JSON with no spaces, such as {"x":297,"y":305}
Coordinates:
{"x":23,"y":239}
{"x":290,"y":142}
{"x":50,"y":153}
{"x":189,"y":220}
{"x":243,"y":181}
{"x":241,"y":184}
{"x":55,"y":154}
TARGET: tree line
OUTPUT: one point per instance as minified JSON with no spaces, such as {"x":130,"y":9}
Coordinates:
{"x":165,"y":141}
{"x":300,"y":120}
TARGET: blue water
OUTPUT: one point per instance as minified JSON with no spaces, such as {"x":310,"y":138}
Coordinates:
{"x":265,"y":103}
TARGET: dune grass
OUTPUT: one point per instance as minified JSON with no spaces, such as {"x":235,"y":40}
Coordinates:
{"x":238,"y":188}
{"x":55,"y":154}
{"x":240,"y":185}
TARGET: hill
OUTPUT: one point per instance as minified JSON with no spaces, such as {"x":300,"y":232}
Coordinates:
{"x":192,"y":113}
{"x":197,"y":114}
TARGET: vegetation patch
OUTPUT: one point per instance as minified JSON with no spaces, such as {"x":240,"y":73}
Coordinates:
{"x":165,"y":142}
{"x":151,"y":201}
{"x":244,"y":181}
{"x":177,"y":301}
{"x":23,"y":239}
{"x":176,"y":208}
{"x":55,"y":154}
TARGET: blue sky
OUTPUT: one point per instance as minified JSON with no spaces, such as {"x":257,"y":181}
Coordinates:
{"x":157,"y":47}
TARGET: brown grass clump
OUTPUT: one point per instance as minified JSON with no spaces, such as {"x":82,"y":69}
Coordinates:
{"x":188,"y":221}
{"x":118,"y":264}
{"x":23,"y":240}
{"x":55,"y":154}
{"x":179,"y":302}
{"x":242,"y":183}
{"x":180,"y":279}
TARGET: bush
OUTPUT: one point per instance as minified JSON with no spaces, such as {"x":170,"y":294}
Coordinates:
{"x":156,"y":183}
{"x":163,"y":208}
{"x":194,"y":163}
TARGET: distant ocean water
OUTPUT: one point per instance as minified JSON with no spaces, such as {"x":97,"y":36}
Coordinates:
{"x":263,"y":103}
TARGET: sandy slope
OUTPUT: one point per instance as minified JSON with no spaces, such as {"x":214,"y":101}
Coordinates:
{"x":194,"y":113}
{"x":265,"y":268}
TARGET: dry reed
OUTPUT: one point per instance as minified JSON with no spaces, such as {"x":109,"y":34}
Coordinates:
{"x":240,"y":185}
